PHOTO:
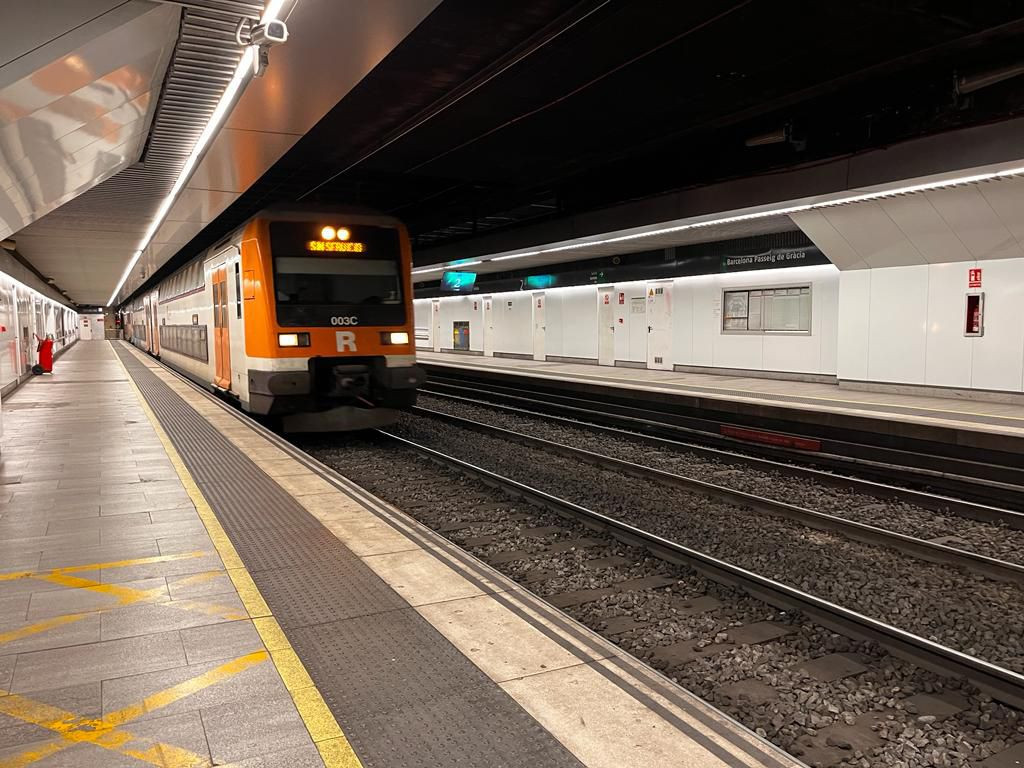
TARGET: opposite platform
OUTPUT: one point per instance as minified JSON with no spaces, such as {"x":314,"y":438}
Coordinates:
{"x":963,"y":421}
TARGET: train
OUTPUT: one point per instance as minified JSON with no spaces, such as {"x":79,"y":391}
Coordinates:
{"x":302,"y":316}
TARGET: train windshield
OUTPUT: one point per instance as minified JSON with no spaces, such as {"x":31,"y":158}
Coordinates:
{"x":342,"y":281}
{"x":321,"y":271}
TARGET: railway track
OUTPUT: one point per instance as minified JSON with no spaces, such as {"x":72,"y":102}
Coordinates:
{"x":707,"y":622}
{"x":992,"y":482}
{"x":870,"y":534}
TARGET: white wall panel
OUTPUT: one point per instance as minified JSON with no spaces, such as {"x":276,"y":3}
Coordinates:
{"x":999,"y":354}
{"x":854,"y":323}
{"x":554,"y":323}
{"x":825,"y":308}
{"x":949,"y":352}
{"x":898,"y":319}
{"x":513,"y":323}
{"x":578,"y":320}
{"x":707,"y":318}
{"x":682,"y":321}
{"x":421,"y":308}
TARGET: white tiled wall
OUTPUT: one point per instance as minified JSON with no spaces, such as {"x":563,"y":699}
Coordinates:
{"x":571,"y":319}
{"x":906,"y":325}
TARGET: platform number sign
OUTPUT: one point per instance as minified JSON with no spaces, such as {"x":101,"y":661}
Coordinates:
{"x":974,"y":277}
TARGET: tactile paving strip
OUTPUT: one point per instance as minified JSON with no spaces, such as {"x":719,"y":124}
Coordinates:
{"x":402,"y":693}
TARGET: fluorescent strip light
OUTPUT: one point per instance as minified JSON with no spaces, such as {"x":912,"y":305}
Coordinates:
{"x":515,"y":256}
{"x":785,"y":211}
{"x":243,"y":74}
{"x":429,"y":269}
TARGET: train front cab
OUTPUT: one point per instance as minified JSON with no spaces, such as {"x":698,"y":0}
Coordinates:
{"x":325,"y":302}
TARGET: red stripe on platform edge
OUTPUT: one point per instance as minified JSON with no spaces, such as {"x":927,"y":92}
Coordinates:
{"x":771,"y":438}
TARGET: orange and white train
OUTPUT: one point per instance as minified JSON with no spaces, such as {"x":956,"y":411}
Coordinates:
{"x":304,"y":316}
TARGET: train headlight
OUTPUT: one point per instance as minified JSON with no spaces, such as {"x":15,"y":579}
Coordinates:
{"x":293,"y":339}
{"x":395,"y":337}
{"x":327,"y":233}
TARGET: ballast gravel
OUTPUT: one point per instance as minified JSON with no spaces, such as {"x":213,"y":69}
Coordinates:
{"x":803,"y":709}
{"x":991,"y":540}
{"x":970,"y":613}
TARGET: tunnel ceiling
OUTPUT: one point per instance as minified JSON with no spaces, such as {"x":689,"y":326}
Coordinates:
{"x":491,"y":115}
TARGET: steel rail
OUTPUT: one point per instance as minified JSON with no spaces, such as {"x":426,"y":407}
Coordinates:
{"x":1002,"y":684}
{"x":975,"y":510}
{"x":822,"y":521}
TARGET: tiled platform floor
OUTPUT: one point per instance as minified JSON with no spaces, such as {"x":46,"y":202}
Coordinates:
{"x":125,"y":641}
{"x":122,"y":640}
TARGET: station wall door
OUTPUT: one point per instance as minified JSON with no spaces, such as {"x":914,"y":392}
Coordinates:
{"x":488,"y":327}
{"x":539,"y":327}
{"x":659,"y":326}
{"x":221,"y":335}
{"x":606,"y":326}
{"x":435,"y":324}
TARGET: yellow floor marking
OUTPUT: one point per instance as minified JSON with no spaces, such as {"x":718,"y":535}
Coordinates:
{"x":106,"y":732}
{"x":126,"y":596}
{"x":40,"y":626}
{"x":335,"y":750}
{"x":98,"y":566}
{"x":177,"y":692}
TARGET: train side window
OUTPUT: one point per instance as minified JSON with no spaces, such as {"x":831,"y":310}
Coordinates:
{"x":238,"y":291}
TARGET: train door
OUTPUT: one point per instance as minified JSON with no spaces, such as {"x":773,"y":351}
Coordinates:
{"x":235,"y":324}
{"x":659,"y":326}
{"x":221,"y":335}
{"x":147,"y":343}
{"x":488,"y":327}
{"x":605,"y":326}
{"x":154,"y":322}
{"x":538,"y":327}
{"x":435,"y":324}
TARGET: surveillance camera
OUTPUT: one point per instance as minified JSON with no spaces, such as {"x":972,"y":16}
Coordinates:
{"x":271,"y":33}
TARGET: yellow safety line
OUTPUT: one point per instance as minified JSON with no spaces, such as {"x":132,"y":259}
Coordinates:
{"x":105,"y":732}
{"x":335,"y":749}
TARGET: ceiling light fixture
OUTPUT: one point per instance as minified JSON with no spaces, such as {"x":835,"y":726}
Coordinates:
{"x":929,"y":186}
{"x":243,"y":74}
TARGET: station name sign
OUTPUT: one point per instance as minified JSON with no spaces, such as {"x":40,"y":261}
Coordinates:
{"x":335,"y":246}
{"x":776,"y":257}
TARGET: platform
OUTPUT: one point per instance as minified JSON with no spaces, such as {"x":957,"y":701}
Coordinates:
{"x":179,"y":587}
{"x":800,"y":400}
